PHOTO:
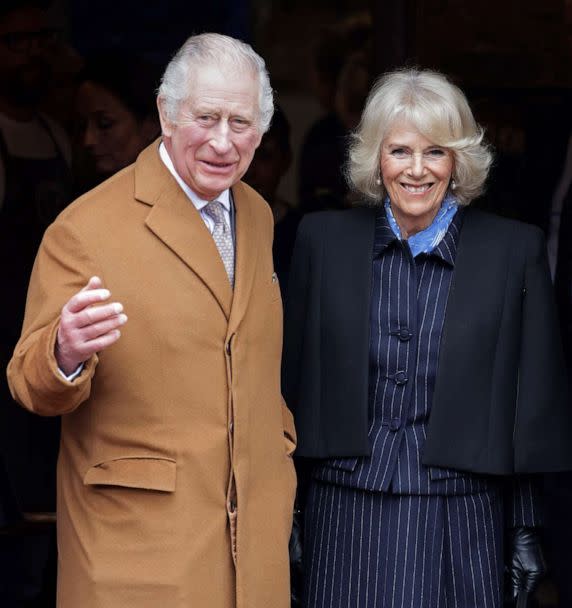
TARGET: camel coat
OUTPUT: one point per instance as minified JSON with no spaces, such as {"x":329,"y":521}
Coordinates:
{"x":175,"y":477}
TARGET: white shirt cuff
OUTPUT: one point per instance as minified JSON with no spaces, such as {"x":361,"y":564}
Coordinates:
{"x":73,"y":375}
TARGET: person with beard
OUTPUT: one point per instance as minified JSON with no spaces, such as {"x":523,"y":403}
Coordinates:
{"x":35,"y":184}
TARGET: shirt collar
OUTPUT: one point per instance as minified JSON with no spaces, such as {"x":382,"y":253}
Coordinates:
{"x":383,"y":235}
{"x":445,"y":250}
{"x":199,"y":203}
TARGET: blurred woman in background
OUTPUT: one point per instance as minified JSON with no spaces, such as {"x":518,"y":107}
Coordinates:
{"x":117,"y":116}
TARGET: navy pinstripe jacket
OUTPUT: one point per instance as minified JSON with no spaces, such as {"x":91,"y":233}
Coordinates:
{"x":500,"y":403}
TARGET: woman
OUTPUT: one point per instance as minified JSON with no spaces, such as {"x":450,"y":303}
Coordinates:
{"x":423,"y":367}
{"x":117,"y":115}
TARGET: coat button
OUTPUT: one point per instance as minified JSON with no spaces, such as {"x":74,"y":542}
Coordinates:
{"x":400,"y":378}
{"x":404,"y":334}
{"x":395,"y":424}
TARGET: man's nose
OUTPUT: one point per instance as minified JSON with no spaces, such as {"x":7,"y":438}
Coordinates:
{"x":221,"y":136}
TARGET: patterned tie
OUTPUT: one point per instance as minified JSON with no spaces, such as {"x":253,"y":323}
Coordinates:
{"x":222,"y":237}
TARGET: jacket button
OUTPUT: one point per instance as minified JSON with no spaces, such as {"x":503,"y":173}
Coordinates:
{"x":404,"y":334}
{"x":231,"y":506}
{"x":400,"y":378}
{"x":395,"y":424}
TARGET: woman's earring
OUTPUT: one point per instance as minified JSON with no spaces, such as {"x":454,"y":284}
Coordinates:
{"x":378,"y":180}
{"x":453,"y":184}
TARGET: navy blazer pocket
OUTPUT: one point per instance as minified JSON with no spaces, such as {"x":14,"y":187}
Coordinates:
{"x":437,"y":473}
{"x":342,"y":464}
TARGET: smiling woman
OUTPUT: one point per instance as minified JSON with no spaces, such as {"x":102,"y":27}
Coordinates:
{"x":415,"y":329}
{"x":416,"y":175}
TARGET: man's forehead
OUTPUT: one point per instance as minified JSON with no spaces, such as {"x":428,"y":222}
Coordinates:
{"x":213,"y":87}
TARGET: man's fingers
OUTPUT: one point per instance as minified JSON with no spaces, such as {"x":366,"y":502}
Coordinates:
{"x":95,"y":314}
{"x":93,"y":331}
{"x":82,"y":299}
{"x":93,"y":283}
{"x":94,"y":346}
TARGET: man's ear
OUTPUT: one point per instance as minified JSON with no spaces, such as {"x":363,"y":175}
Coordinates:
{"x":166,"y":124}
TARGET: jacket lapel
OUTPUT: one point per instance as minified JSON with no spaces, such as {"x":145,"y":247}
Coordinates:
{"x":247,"y":249}
{"x":177,"y":223}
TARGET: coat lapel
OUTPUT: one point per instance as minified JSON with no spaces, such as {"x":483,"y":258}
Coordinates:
{"x":177,"y":223}
{"x":247,"y":249}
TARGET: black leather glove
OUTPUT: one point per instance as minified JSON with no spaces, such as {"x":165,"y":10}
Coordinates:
{"x":295,"y":549}
{"x":527,"y":565}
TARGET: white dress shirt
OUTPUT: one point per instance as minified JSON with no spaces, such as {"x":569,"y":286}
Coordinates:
{"x":199,"y":203}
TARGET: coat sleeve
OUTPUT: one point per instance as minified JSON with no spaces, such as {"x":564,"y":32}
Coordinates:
{"x":61,"y":269}
{"x":543,"y":422}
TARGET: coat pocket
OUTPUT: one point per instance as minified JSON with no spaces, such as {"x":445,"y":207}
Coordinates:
{"x":143,"y":472}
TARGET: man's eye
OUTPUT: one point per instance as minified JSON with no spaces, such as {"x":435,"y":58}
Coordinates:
{"x":240,"y":123}
{"x":206,"y":119}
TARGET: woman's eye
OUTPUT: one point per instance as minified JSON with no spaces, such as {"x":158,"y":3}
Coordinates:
{"x":436,"y":153}
{"x":104,"y":123}
{"x":399,"y":152}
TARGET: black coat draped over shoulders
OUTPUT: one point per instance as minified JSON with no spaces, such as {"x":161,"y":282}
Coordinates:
{"x":500,"y":404}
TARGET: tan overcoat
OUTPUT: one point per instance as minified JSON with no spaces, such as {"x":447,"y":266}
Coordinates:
{"x":175,"y":477}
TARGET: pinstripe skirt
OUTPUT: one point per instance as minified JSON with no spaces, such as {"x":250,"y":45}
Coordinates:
{"x":375,"y":550}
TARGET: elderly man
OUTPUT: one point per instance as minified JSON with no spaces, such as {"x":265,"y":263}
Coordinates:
{"x":175,"y":482}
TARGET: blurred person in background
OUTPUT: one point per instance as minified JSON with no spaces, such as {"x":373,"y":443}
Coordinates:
{"x":35,"y":185}
{"x":341,"y":78}
{"x":271,"y":161}
{"x":116,"y":115}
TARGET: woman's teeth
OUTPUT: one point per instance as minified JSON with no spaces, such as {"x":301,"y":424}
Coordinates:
{"x":417,"y":189}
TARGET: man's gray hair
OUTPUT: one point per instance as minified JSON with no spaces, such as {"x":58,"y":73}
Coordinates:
{"x":213,"y":50}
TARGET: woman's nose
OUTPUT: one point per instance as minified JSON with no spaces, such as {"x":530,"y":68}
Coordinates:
{"x":417,"y":165}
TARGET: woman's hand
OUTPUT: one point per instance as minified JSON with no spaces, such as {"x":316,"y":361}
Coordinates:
{"x":527,"y":566}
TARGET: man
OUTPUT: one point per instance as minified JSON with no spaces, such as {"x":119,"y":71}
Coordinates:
{"x":175,"y":482}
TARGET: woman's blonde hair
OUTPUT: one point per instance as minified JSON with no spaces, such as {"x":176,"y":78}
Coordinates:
{"x":438,"y":110}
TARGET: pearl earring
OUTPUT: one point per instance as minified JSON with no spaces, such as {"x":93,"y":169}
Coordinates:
{"x":453,"y":184}
{"x":378,"y":181}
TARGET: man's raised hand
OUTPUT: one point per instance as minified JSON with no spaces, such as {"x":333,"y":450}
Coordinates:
{"x":87,"y":326}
